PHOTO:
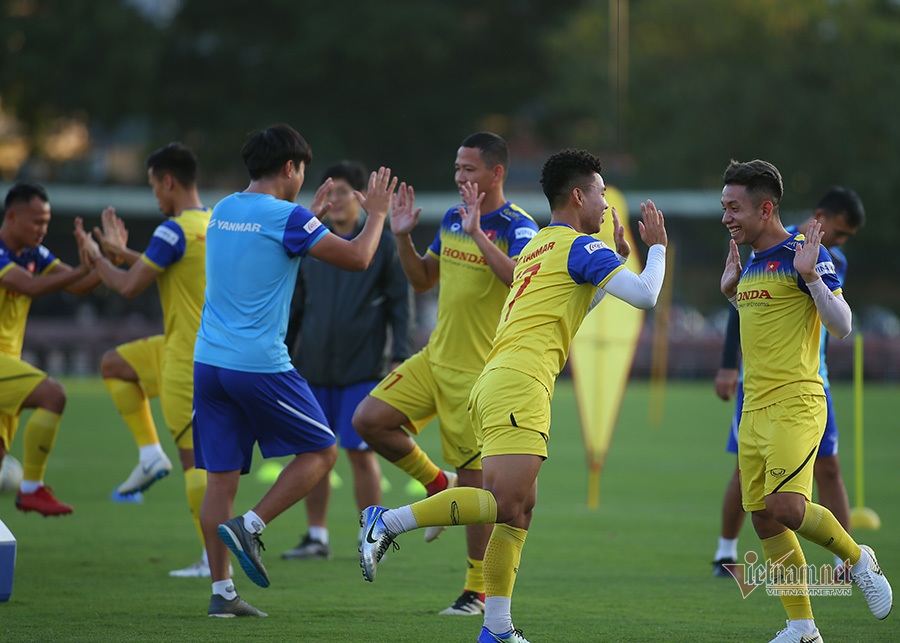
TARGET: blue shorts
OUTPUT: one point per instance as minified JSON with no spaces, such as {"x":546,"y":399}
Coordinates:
{"x":339,"y":403}
{"x":827,"y":447}
{"x":235,"y":409}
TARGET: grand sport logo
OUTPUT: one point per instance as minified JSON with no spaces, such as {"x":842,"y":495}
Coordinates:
{"x":747,"y":295}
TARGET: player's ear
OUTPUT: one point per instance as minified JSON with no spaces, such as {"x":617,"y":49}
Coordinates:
{"x":577,"y":196}
{"x":498,"y":174}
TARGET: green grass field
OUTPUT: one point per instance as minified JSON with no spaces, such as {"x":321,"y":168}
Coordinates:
{"x":636,"y":569}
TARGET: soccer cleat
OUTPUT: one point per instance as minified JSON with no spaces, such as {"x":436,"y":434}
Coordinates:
{"x":791,"y":635}
{"x":469,"y":603}
{"x":237,"y":606}
{"x":246,"y":547}
{"x":431,"y":533}
{"x":719,"y":569}
{"x":513,"y":636}
{"x":873,"y":585}
{"x":376,"y":539}
{"x":145,"y":475}
{"x":199,"y":569}
{"x":309,"y":548}
{"x":41,"y":501}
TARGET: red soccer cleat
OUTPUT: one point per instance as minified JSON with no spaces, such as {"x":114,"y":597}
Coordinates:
{"x":41,"y":501}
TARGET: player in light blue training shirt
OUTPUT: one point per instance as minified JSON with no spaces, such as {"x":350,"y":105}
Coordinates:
{"x":246,"y":391}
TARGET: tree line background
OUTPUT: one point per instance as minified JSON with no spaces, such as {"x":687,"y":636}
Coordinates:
{"x":88,"y":88}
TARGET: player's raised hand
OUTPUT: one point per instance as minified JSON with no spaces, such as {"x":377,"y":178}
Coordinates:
{"x":377,"y":200}
{"x":404,"y":214}
{"x":471,"y":213}
{"x":732,"y":273}
{"x":319,"y":206}
{"x":807,"y":255}
{"x":88,"y":249}
{"x":113,"y":237}
{"x":652,"y":225}
{"x":622,"y":245}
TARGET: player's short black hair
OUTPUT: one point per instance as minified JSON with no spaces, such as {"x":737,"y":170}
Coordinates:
{"x":565,"y":171}
{"x":843,"y":201}
{"x":23,"y":192}
{"x":266,"y":151}
{"x":494,"y":150}
{"x":175,"y":159}
{"x":761,"y":179}
{"x":353,"y":172}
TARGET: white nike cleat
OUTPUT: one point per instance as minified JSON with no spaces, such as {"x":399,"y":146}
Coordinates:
{"x":871,"y":582}
{"x":375,"y":542}
{"x":145,"y":474}
{"x":431,"y":533}
{"x":792,"y":634}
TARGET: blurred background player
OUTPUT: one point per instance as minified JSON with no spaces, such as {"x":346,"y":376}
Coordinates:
{"x":246,"y":391}
{"x":841,"y":214}
{"x":347,"y":330}
{"x":788,"y":291}
{"x":473,"y":258}
{"x":162,"y":365}
{"x":561,"y":275}
{"x":29,"y":270}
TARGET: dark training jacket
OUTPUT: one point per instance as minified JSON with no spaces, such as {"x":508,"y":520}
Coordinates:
{"x":338,"y":333}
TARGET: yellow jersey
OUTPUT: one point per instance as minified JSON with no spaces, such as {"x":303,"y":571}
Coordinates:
{"x":555,"y":280}
{"x":780,"y":327}
{"x":470,"y":294}
{"x":178,"y":251}
{"x":14,"y":306}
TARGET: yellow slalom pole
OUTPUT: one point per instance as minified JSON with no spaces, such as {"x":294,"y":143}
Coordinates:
{"x":861,"y":517}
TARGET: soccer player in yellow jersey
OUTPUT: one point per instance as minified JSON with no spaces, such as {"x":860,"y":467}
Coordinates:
{"x":161,"y":365}
{"x":473,"y":258}
{"x":29,"y":270}
{"x":787,"y":291}
{"x":561,"y":274}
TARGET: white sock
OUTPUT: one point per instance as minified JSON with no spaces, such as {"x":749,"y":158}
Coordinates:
{"x":319,"y":533}
{"x":805,"y":625}
{"x":30,"y":486}
{"x":147,"y":453}
{"x":253,"y":523}
{"x":838,"y":562}
{"x":205,"y":557}
{"x":224,"y":588}
{"x":496,"y":614}
{"x":400,"y":520}
{"x":727,"y":548}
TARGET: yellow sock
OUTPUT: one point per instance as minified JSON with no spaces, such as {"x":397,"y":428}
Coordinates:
{"x":819,"y":526}
{"x":786,"y":548}
{"x":134,"y":408}
{"x":458,"y":506}
{"x":195,"y":488}
{"x":40,"y":434}
{"x":418,"y":465}
{"x":501,"y":560}
{"x":474,"y":575}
